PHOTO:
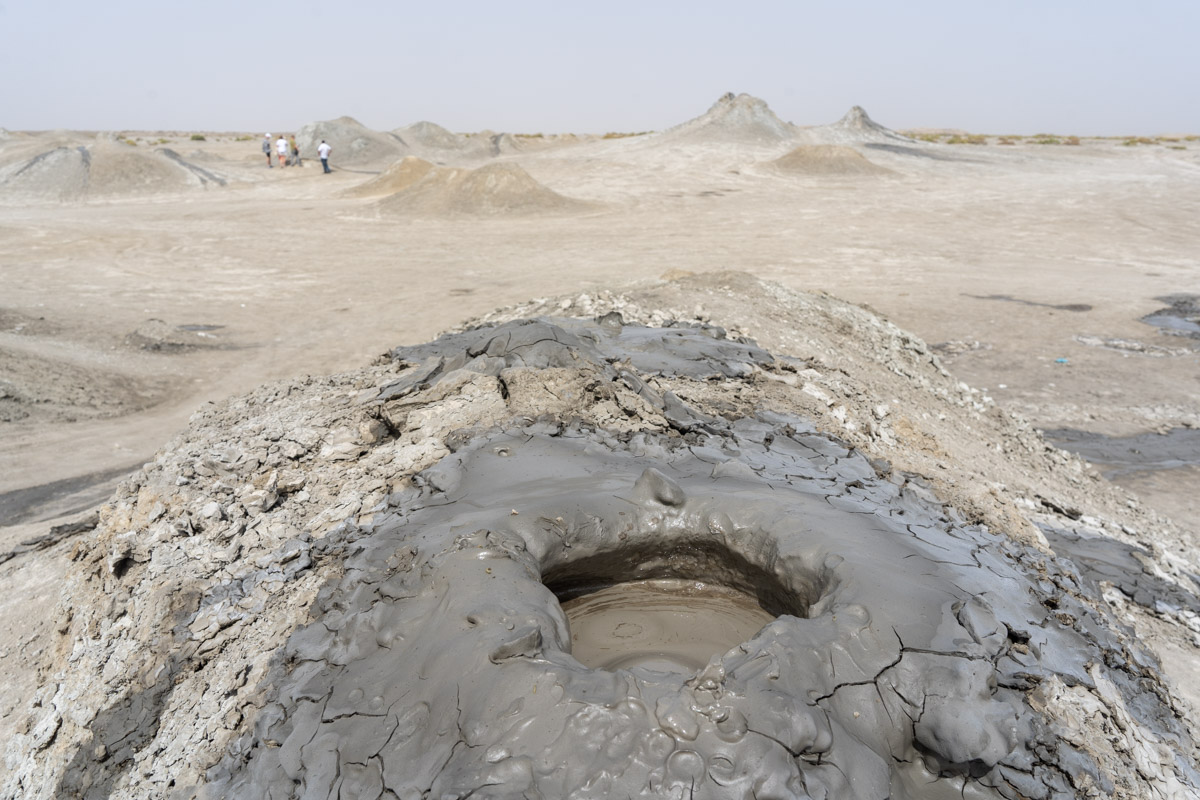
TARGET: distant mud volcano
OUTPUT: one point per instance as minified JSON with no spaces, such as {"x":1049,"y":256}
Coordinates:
{"x":461,"y":573}
{"x":737,"y":119}
{"x":102,"y":170}
{"x":422,"y":189}
{"x":855,"y":127}
{"x":826,"y":159}
{"x":353,"y":143}
{"x":431,"y":136}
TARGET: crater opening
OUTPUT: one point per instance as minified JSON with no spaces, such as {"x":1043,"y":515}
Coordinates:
{"x":664,"y":625}
{"x":669,"y":609}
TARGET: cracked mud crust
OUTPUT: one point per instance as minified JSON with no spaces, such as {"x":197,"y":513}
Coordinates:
{"x":346,"y":587}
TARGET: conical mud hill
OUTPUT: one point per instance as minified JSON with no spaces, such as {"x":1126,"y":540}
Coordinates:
{"x":491,"y":190}
{"x":429,"y":136}
{"x":361,"y":585}
{"x":856,"y":127}
{"x":102,"y":170}
{"x":857,"y":119}
{"x":826,"y":159}
{"x":404,"y":173}
{"x":741,"y":119}
{"x":353,"y":143}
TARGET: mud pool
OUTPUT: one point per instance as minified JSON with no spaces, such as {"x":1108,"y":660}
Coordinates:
{"x":669,"y":626}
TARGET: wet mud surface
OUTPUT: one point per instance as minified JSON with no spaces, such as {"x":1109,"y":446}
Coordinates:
{"x":1121,"y":455}
{"x":1101,"y":560}
{"x":664,"y":625}
{"x":914,"y":654}
{"x":1181,"y":317}
{"x":60,"y":497}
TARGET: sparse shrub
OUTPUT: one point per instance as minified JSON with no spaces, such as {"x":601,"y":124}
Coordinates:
{"x":162,"y":141}
{"x":129,"y":142}
{"x":932,"y":138}
{"x":619,"y":135}
{"x":1071,"y":140}
{"x":1046,"y":138}
{"x":198,"y":137}
{"x":970,"y":138}
{"x":1005,"y":140}
{"x":1134,"y":141}
{"x":1177,"y":146}
{"x":243,"y":138}
{"x":1191,"y":138}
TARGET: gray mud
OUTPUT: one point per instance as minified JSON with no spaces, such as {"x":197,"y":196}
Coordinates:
{"x":1121,"y":455}
{"x":60,"y":498}
{"x":913,"y":655}
{"x":1126,"y":567}
{"x":1180,"y":318}
{"x":204,"y":175}
{"x":665,"y":625}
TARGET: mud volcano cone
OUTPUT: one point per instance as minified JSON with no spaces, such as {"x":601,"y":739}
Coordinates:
{"x":826,"y":159}
{"x":361,"y":585}
{"x":734,"y":118}
{"x":502,"y":189}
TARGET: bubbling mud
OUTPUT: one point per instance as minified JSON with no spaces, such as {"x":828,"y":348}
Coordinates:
{"x":663,"y":625}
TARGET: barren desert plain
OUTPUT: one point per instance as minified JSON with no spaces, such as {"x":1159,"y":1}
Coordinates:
{"x":1053,"y":283}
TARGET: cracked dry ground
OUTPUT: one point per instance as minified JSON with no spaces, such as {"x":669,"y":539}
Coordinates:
{"x":347,"y":587}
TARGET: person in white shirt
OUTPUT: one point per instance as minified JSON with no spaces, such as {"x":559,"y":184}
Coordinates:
{"x":281,"y":147}
{"x":323,"y":150}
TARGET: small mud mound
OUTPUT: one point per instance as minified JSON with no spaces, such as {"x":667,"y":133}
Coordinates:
{"x":58,"y":174}
{"x":404,"y":173}
{"x":103,"y":170}
{"x":430,"y":136}
{"x":734,"y":118}
{"x":494,"y":189}
{"x":826,"y":159}
{"x":505,"y":144}
{"x":158,"y":336}
{"x":46,"y":383}
{"x":857,"y":120}
{"x":353,"y":143}
{"x":856,"y":127}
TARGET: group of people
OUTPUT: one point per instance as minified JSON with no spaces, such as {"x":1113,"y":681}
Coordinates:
{"x":289,"y":152}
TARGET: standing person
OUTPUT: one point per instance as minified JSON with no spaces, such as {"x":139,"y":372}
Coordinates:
{"x":323,"y":149}
{"x":281,"y":147}
{"x":267,"y":148}
{"x":295,"y":151}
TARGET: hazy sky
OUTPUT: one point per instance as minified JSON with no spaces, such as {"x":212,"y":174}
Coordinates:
{"x":1087,"y":66}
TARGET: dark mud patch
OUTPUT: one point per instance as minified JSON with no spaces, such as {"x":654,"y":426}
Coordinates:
{"x":1075,"y":307}
{"x":60,"y":498}
{"x":1121,"y":455}
{"x":1104,"y":560}
{"x":1181,"y":317}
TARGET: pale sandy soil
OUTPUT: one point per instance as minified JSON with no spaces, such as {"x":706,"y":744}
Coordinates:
{"x":304,"y":280}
